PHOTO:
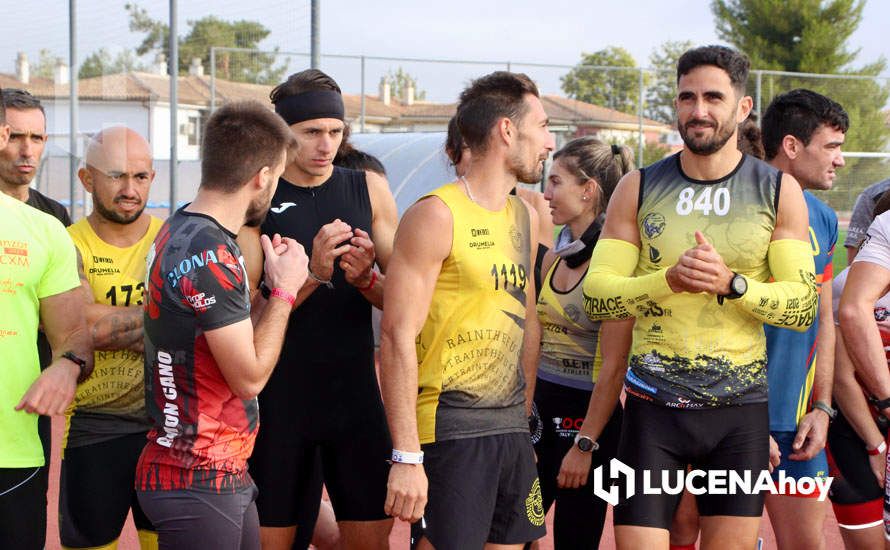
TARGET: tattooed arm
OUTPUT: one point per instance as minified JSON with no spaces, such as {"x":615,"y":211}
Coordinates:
{"x":111,"y":327}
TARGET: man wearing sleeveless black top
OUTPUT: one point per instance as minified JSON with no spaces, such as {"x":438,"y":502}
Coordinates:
{"x":322,"y":405}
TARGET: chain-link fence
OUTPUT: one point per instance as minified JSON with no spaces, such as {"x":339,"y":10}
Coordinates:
{"x":620,"y":104}
{"x":633,"y":106}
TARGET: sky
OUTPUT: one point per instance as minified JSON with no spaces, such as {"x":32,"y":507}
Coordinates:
{"x":552,"y":32}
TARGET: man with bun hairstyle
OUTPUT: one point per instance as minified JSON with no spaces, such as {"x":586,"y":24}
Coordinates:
{"x":459,"y":331}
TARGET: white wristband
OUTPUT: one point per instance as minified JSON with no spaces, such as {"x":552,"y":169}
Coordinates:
{"x":404,"y":457}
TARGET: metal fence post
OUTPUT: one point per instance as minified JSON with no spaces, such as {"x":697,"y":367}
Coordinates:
{"x":759,"y":93}
{"x":72,"y":102}
{"x":315,"y":40}
{"x":174,"y":105}
{"x":362,"y":124}
{"x":642,"y":93}
{"x":212,"y":79}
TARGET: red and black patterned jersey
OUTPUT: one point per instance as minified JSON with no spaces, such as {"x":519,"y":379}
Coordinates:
{"x":202,"y":433}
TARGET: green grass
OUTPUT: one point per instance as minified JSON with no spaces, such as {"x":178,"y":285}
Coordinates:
{"x":839,"y":260}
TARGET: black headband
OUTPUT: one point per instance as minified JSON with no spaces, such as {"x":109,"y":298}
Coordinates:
{"x":310,"y":105}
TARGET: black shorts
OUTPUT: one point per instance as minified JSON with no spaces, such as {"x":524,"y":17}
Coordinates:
{"x":197,"y":519}
{"x":658,"y":438}
{"x":481,"y":489}
{"x":856,"y":497}
{"x":96,"y":491}
{"x":579,"y":517}
{"x":23,"y":507}
{"x":289,"y":465}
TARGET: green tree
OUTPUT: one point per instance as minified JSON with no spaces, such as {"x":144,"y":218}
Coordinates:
{"x":791,"y":35}
{"x":616,"y":89}
{"x":101,"y":62}
{"x":652,"y":151}
{"x":662,"y":88}
{"x":207,"y":32}
{"x":810,"y":36}
{"x":46,"y":64}
{"x":400,"y":80}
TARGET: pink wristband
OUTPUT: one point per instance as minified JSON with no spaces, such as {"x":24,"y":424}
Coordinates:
{"x":284,"y":295}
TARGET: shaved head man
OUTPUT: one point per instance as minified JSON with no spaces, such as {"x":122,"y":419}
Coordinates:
{"x":107,"y":424}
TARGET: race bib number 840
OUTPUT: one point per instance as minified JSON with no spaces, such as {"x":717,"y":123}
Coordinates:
{"x":708,"y":200}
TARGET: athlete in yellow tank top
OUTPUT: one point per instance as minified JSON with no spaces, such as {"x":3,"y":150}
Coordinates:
{"x":107,"y":422}
{"x":116,"y":390}
{"x":456,"y":333}
{"x":468,"y":349}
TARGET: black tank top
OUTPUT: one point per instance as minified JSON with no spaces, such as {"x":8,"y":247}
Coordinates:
{"x":329,"y":341}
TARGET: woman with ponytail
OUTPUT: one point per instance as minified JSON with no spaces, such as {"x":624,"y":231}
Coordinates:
{"x":576,"y":419}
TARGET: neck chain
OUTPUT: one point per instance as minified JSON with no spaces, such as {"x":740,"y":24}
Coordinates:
{"x":467,"y":185}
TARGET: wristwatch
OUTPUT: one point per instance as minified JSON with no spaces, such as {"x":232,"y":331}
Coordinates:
{"x":738,"y":286}
{"x":265,"y":290}
{"x":585,"y":444}
{"x":82,"y":364}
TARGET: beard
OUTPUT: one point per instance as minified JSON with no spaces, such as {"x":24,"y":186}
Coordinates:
{"x":706,"y":146}
{"x":116,"y":217}
{"x":256,"y":214}
{"x":258,"y":210}
{"x":10,"y":176}
{"x":525,"y":171}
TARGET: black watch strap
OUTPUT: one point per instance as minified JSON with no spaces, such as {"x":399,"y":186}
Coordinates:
{"x":265,"y":290}
{"x":880,"y":404}
{"x":84,"y":373}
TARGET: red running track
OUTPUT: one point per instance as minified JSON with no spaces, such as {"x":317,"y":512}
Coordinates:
{"x":399,"y":538}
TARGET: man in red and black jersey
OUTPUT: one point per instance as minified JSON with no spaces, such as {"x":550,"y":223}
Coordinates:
{"x":208,"y":352}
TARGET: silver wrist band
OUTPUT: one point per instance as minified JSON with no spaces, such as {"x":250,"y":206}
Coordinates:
{"x":321,"y":281}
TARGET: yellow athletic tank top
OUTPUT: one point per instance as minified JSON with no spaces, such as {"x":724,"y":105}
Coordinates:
{"x":470,"y":381}
{"x":688,"y":351}
{"x":570,"y":351}
{"x":111,"y":402}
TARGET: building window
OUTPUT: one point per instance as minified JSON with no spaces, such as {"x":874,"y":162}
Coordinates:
{"x":190,"y":130}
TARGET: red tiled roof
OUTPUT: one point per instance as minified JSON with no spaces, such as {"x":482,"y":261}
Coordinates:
{"x":196,"y":90}
{"x":572,"y":110}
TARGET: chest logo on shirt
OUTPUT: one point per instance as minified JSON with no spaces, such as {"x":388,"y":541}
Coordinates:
{"x":14,"y":253}
{"x":654,"y":255}
{"x":98,"y":269}
{"x":653,"y":225}
{"x":282,"y":207}
{"x":573,"y":312}
{"x":188,"y":264}
{"x":516,"y":238}
{"x":480,"y":238}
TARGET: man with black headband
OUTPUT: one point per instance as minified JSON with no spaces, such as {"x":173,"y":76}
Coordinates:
{"x":323,"y":404}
